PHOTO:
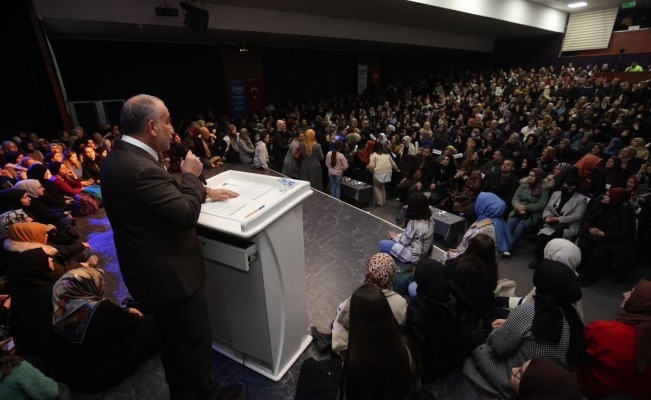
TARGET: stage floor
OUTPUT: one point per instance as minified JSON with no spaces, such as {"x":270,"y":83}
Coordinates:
{"x":339,"y":240}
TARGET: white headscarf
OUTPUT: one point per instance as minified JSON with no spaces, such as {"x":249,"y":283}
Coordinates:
{"x":563,"y":251}
{"x":30,"y":186}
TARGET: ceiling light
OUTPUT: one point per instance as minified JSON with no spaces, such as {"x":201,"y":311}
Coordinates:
{"x":576,"y":5}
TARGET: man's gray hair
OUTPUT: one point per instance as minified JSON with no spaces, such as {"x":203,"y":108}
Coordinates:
{"x":137,"y":112}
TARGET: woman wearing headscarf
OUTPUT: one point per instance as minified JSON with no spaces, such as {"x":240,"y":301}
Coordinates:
{"x":431,"y":322}
{"x":408,"y":147}
{"x":547,"y":328}
{"x":630,"y":163}
{"x":13,"y":199}
{"x":562,"y":217}
{"x":106,"y":343}
{"x":30,"y":281}
{"x":38,"y":210}
{"x":13,"y":159}
{"x":52,"y":198}
{"x":528,"y":204}
{"x":9,"y":218}
{"x":608,"y":229}
{"x":614,"y":146}
{"x":489,"y":209}
{"x":614,"y":174}
{"x":563,"y":252}
{"x":311,"y":162}
{"x":539,"y":379}
{"x":25,"y":236}
{"x":380,"y":271}
{"x":590,"y":177}
{"x":618,"y":352}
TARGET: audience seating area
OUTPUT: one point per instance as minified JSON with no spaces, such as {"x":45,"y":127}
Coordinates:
{"x":590,"y":138}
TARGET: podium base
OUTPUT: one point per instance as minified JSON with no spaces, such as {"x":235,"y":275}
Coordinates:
{"x":260,"y":367}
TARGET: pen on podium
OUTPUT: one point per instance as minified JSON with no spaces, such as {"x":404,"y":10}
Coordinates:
{"x":254,"y":211}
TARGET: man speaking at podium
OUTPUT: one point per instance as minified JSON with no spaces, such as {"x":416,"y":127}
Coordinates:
{"x":153,"y":220}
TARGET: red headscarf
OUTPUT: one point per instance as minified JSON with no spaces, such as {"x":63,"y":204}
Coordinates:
{"x":587,"y":165}
{"x":365,"y":153}
{"x":618,"y":196}
{"x":638,"y":312}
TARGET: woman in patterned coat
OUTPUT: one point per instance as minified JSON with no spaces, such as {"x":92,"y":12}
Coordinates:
{"x":548,"y":328}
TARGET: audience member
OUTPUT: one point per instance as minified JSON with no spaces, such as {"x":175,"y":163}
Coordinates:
{"x":562,"y":217}
{"x":106,"y":343}
{"x":547,"y":328}
{"x":528,"y":204}
{"x":381,"y":363}
{"x":618,"y":351}
{"x":312,"y":155}
{"x":543,"y":379}
{"x":380,"y":271}
{"x":416,"y":241}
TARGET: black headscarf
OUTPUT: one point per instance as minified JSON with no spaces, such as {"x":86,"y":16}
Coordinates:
{"x":12,"y":156}
{"x":36,"y":171}
{"x":10,"y":200}
{"x":431,"y":278}
{"x":557,"y":287}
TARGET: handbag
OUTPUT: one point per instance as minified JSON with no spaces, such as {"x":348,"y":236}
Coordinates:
{"x":298,"y":155}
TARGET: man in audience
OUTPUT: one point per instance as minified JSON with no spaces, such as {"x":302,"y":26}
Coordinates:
{"x":422,"y":171}
{"x":281,"y":140}
{"x":503,"y":183}
{"x":495,"y":164}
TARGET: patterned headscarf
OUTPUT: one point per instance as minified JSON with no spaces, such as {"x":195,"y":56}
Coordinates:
{"x":9,"y":218}
{"x":75,"y":298}
{"x":380,"y":270}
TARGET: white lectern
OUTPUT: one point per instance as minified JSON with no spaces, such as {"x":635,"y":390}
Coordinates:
{"x":255,"y":271}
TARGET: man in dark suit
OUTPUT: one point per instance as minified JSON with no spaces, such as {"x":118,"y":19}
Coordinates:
{"x":153,"y":220}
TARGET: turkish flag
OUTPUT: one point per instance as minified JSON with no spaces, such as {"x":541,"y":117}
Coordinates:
{"x":375,"y":76}
{"x":255,"y":94}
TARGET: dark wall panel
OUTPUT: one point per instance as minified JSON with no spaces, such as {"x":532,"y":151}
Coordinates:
{"x":189,"y":78}
{"x":301,"y":74}
{"x":27,"y":100}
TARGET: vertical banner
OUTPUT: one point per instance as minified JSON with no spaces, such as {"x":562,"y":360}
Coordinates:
{"x":362,"y":78}
{"x":238,"y":99}
{"x":255,"y":95}
{"x":375,"y":76}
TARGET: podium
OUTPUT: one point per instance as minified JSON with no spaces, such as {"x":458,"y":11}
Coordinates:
{"x":255,"y":271}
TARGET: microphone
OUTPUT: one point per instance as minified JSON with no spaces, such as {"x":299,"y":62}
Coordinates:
{"x":183,"y":153}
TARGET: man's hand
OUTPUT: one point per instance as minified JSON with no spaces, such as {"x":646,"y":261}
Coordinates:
{"x":221,"y":194}
{"x":191,"y":164}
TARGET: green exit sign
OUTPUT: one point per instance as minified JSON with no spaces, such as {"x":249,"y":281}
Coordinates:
{"x":628,"y":4}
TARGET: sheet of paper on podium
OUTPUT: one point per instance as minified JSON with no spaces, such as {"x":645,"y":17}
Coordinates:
{"x":247,"y":189}
{"x":224,"y":208}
